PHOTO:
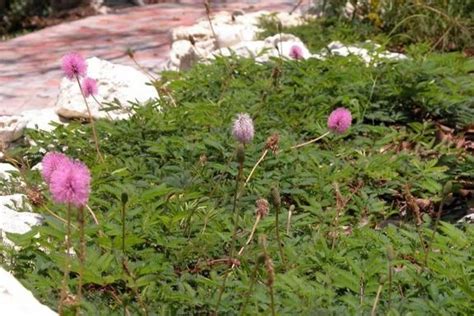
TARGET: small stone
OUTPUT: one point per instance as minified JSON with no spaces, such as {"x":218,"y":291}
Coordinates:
{"x":11,"y":128}
{"x":6,"y":170}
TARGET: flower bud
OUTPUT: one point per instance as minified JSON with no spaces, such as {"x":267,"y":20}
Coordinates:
{"x":276,"y":199}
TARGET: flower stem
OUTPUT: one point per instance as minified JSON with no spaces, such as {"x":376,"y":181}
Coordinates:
{"x":94,"y":132}
{"x":252,"y":283}
{"x":270,"y":273}
{"x":435,"y":228}
{"x":277,"y":230}
{"x":100,"y":106}
{"x":67,"y":267}
{"x":124,"y":258}
{"x":235,"y":211}
{"x":82,"y":255}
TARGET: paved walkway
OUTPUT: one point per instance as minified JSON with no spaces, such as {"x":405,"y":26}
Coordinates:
{"x":29,"y":64}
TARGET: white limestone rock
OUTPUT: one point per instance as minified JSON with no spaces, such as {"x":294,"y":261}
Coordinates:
{"x":199,"y":32}
{"x":11,"y":128}
{"x":38,"y":167}
{"x":286,"y":19}
{"x":250,"y":49}
{"x":115,"y":81}
{"x":367,"y":55}
{"x":469,"y":219}
{"x":235,"y":32}
{"x":41,"y":119}
{"x":6,"y":170}
{"x":15,"y":300}
{"x":183,"y":54}
{"x":289,"y":20}
{"x":232,"y":34}
{"x":283,"y":43}
{"x":273,"y":46}
{"x":13,"y":221}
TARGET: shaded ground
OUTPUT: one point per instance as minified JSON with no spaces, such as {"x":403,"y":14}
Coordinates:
{"x":30,"y":73}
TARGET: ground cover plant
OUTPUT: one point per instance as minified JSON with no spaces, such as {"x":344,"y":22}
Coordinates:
{"x":348,"y":224}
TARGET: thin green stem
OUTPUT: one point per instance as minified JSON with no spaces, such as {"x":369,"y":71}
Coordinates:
{"x":236,"y":212}
{"x":67,"y":263}
{"x":390,"y":277}
{"x":277,"y":230}
{"x":272,"y":300}
{"x":82,"y":256}
{"x":123,"y":230}
{"x":235,"y":209}
{"x":252,"y":283}
{"x":435,"y":228}
{"x":100,"y":106}
{"x":123,"y":250}
{"x":91,"y":119}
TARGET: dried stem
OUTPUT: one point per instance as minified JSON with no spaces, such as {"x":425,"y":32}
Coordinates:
{"x":146,"y":72}
{"x":290,"y":214}
{"x":94,"y":217}
{"x":55,"y":215}
{"x":310,"y":141}
{"x":257,"y":220}
{"x":208,"y":15}
{"x":296,"y":7}
{"x":376,"y":301}
{"x":264,"y":154}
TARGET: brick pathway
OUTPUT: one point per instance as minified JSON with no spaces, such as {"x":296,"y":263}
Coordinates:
{"x":29,"y":64}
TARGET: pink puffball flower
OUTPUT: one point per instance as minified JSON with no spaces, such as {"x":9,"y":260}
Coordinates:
{"x":51,"y":161}
{"x":243,"y":130}
{"x":70,"y":184}
{"x":340,"y":120}
{"x":73,"y":65}
{"x":296,"y":52}
{"x":89,"y":87}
